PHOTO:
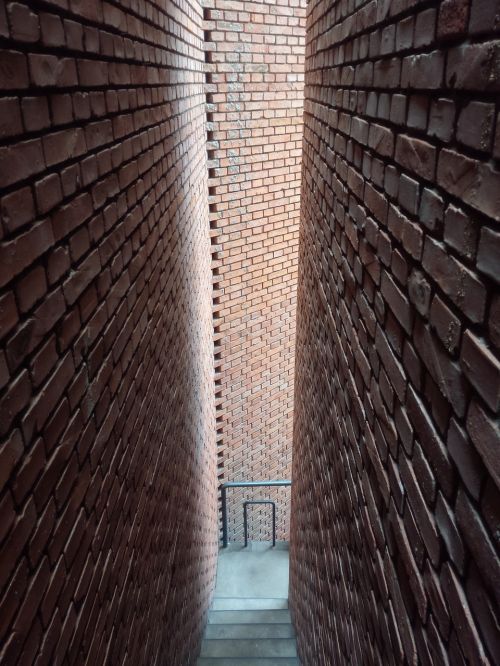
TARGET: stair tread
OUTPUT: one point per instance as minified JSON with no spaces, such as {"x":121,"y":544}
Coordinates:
{"x":257,"y":630}
{"x":248,"y":661}
{"x":249,"y":603}
{"x":249,"y":647}
{"x":280,"y":616}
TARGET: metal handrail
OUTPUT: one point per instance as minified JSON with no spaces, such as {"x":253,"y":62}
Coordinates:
{"x":245,"y":517}
{"x":242,"y":484}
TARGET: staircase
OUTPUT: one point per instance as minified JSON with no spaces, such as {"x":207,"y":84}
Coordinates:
{"x":249,"y":631}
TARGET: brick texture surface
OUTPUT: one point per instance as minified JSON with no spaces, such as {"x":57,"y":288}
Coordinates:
{"x":255,"y":72}
{"x":395,"y":503}
{"x":108,"y":524}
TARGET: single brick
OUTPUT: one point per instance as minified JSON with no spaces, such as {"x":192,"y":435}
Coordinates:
{"x":21,"y":161}
{"x":431,"y":210}
{"x":460,"y":232}
{"x":475,"y":182}
{"x":14,"y":70}
{"x":482,"y":369}
{"x":35,"y":113}
{"x":488,"y":256}
{"x":461,"y":616}
{"x":397,"y":301}
{"x":485,"y":433}
{"x":419,"y":291}
{"x":404,"y":33}
{"x":31,"y":288}
{"x":397,"y":112}
{"x":24,"y":249}
{"x":494,"y":320}
{"x":473,"y":67}
{"x":442,"y":119}
{"x":52,"y":30}
{"x":24,"y":25}
{"x":14,"y":400}
{"x":460,"y":284}
{"x":496,"y":147}
{"x":478,"y":541}
{"x":408,"y":194}
{"x":418,"y":109}
{"x":48,"y":193}
{"x":475,"y":125}
{"x":447,"y":326}
{"x":417,"y":156}
{"x":445,"y":372}
{"x":425,"y":28}
{"x":445,"y":520}
{"x":8,"y":313}
{"x":466,"y":459}
{"x":48,"y":70}
{"x":484,"y":16}
{"x":453,"y":18}
{"x":10,"y":117}
{"x":423,"y":71}
{"x":17,"y":209}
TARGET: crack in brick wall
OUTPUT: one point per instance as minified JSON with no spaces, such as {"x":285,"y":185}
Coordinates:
{"x":395,"y":502}
{"x":108,"y":523}
{"x":255,"y":54}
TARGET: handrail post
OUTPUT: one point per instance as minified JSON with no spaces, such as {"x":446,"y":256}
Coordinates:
{"x":224,"y":516}
{"x":245,"y":484}
{"x":245,"y":523}
{"x":274,"y":524}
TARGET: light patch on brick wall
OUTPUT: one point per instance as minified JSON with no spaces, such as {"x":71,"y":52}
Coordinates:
{"x":255,"y":54}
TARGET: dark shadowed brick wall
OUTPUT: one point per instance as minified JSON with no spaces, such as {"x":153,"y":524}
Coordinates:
{"x":395,"y":505}
{"x":107,"y":452}
{"x":255,"y":76}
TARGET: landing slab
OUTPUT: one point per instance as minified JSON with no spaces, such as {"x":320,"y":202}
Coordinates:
{"x":259,"y":570}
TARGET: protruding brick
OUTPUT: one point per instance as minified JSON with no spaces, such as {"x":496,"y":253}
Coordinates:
{"x":460,"y":284}
{"x":485,"y":433}
{"x":482,"y":369}
{"x":488,"y":256}
{"x":460,"y":232}
{"x":475,"y":125}
{"x":453,"y":18}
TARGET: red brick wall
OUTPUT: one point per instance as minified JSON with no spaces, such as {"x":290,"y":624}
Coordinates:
{"x":396,"y":502}
{"x":255,"y":54}
{"x":107,"y":463}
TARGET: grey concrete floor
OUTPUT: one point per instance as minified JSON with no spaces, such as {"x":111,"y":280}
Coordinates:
{"x":256,"y":571}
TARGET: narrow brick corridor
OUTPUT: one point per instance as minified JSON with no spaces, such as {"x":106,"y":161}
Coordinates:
{"x":255,"y":80}
{"x":229,"y":229}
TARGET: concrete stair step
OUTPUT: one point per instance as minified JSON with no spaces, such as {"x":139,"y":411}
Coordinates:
{"x":248,"y":603}
{"x":251,"y":661}
{"x":280,"y":616}
{"x":247,"y":647}
{"x":249,"y":631}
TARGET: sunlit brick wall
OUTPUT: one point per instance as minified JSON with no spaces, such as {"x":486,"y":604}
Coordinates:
{"x":107,"y":452}
{"x":396,"y":501}
{"x":255,"y":63}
